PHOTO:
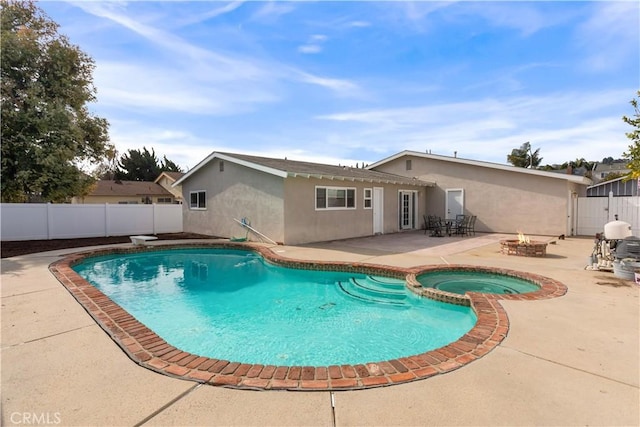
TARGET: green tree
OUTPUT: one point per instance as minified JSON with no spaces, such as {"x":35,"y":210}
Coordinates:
{"x":578,"y":163}
{"x":169,"y":166}
{"x":524,"y":157}
{"x":633,"y":152}
{"x":108,"y":168}
{"x":47,"y":130}
{"x":137,"y":165}
{"x":607,"y":160}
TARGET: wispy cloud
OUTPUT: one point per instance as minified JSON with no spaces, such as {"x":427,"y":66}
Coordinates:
{"x":418,"y":10}
{"x":510,"y":79}
{"x":115,"y":12}
{"x":213,"y":13}
{"x":611,"y":35}
{"x":165,"y":140}
{"x":203,"y":81}
{"x":271,"y":11}
{"x":348,"y":80}
{"x":340,"y":87}
{"x":172,"y":89}
{"x":310,"y":48}
{"x":525,"y":18}
{"x":501,"y":124}
{"x":314,"y":44}
{"x":359,"y":24}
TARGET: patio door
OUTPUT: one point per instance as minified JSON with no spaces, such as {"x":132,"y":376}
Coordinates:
{"x":407,"y":209}
{"x":454,"y":202}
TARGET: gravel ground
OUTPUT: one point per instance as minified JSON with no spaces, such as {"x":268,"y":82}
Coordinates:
{"x":15,"y":248}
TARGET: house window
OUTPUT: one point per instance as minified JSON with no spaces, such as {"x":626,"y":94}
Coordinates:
{"x":221,"y":165}
{"x":367,"y":198}
{"x":165,"y":200}
{"x":198,"y":200}
{"x":408,"y":164}
{"x":335,"y":198}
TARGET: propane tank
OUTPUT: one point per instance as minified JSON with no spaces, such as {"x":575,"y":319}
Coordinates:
{"x":617,"y":230}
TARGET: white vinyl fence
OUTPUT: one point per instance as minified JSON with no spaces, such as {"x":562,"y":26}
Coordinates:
{"x":45,"y":221}
{"x":594,"y":212}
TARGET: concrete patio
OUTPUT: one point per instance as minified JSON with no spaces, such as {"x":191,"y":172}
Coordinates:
{"x":572,"y":360}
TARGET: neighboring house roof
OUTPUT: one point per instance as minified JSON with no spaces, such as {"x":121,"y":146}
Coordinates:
{"x":174,"y":176}
{"x":292,"y":168}
{"x":497,"y":166}
{"x":128,"y":188}
{"x":612,"y":167}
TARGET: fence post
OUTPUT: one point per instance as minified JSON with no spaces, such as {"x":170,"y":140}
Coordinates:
{"x":49,"y":220}
{"x":153,"y":218}
{"x":610,"y":210}
{"x":106,"y":220}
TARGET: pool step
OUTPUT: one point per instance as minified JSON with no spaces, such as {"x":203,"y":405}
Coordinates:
{"x":376,"y":290}
{"x":385,"y":282}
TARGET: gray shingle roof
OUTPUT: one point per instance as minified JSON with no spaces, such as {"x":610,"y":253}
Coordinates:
{"x":295,"y":168}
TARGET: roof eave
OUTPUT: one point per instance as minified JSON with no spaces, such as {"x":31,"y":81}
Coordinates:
{"x":497,"y":166}
{"x":415,"y":182}
{"x":216,"y":155}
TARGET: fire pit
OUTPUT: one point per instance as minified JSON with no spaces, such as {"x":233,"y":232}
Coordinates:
{"x":523,"y":246}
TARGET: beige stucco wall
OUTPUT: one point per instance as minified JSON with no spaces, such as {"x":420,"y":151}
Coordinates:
{"x":503,"y":201}
{"x":236,"y":192}
{"x":305,"y":224}
{"x":283,"y":209}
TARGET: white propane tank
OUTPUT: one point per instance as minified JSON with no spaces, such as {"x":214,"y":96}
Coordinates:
{"x":617,"y":230}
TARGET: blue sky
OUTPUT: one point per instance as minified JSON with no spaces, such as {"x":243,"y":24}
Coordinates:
{"x":347,"y":82}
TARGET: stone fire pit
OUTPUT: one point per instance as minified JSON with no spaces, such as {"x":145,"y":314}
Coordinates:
{"x":519,"y":248}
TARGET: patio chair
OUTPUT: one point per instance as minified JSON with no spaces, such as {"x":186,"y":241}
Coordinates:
{"x":460,"y":225}
{"x":471,"y":225}
{"x":436,"y":227}
{"x":429,"y":222}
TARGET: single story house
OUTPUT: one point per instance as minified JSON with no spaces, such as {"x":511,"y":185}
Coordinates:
{"x":166,"y":181}
{"x":505,"y":199}
{"x":294,"y":202}
{"x":126,"y":192}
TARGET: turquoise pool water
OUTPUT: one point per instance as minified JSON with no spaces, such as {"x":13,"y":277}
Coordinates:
{"x":460,"y":282}
{"x":233,"y":305}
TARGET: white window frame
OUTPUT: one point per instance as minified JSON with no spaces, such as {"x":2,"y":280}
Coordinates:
{"x":204,"y":200}
{"x":334,"y":208}
{"x":367,"y":198}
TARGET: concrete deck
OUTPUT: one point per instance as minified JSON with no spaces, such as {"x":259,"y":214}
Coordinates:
{"x":572,"y":360}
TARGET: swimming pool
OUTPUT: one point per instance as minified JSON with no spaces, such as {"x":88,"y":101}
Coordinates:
{"x":234,"y":305}
{"x":149,"y":350}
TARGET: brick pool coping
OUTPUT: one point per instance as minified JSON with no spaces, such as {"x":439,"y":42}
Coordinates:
{"x":149,"y":350}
